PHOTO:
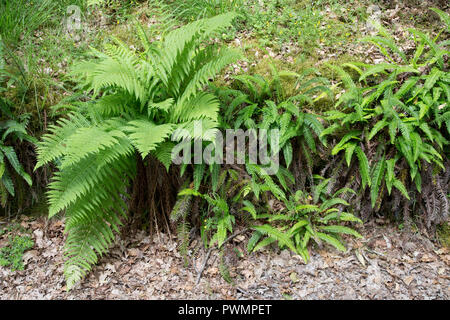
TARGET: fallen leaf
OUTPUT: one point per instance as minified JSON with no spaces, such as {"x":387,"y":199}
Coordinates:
{"x":428,"y":258}
{"x":294,"y":277}
{"x":213,"y":271}
{"x":446,"y":259}
{"x":103,"y":278}
{"x":360,"y":257}
{"x":134,"y":252}
{"x":380,"y":243}
{"x":124,"y":270}
{"x":408,"y":280}
{"x":31,"y":254}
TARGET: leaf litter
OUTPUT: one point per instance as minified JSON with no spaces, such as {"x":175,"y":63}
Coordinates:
{"x":141,"y":267}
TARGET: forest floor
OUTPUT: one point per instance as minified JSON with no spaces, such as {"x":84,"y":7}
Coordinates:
{"x":387,"y":264}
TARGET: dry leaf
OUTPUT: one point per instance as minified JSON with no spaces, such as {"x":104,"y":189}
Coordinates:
{"x":360,"y":257}
{"x":294,"y":277}
{"x":408,"y":280}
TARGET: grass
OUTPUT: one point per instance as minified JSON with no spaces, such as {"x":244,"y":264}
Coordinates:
{"x":19,"y":19}
{"x":190,"y":10}
{"x":305,"y":25}
{"x":35,"y":53}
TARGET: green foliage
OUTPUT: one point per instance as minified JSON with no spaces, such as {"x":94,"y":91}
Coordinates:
{"x":139,"y":100}
{"x":266,"y":104}
{"x":13,"y":130}
{"x":392,"y":124}
{"x":11,"y":255}
{"x":223,"y":268}
{"x":402,"y":118}
{"x":218,"y":220}
{"x":22,"y":18}
{"x":19,"y":20}
{"x":445,"y":17}
{"x":12,"y":227}
{"x":179,"y":215}
{"x":20,"y":82}
{"x":190,"y":10}
{"x":275,"y":22}
{"x":119,"y":9}
{"x":286,"y":21}
{"x":304,"y":218}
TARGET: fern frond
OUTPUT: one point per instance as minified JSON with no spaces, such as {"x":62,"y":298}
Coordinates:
{"x":203,"y":105}
{"x":52,"y":144}
{"x":363,"y":166}
{"x":209,"y":70}
{"x":377,"y":179}
{"x":146,"y":135}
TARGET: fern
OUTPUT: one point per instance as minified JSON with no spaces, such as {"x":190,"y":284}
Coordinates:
{"x":139,"y":100}
{"x":13,"y":130}
{"x":401,"y":119}
{"x":264,"y":103}
{"x":302,"y":221}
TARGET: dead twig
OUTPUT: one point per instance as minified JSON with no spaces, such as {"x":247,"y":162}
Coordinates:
{"x":239,"y":289}
{"x":199,"y":275}
{"x":375,"y":252}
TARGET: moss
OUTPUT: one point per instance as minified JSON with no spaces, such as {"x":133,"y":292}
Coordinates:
{"x":263,"y":65}
{"x":329,"y":73}
{"x":443,"y":233}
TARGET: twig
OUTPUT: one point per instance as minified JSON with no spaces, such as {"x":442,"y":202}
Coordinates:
{"x":239,"y":289}
{"x":200,"y":272}
{"x":375,"y":252}
{"x":199,"y":275}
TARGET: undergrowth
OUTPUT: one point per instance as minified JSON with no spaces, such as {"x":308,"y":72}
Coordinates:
{"x":375,"y":143}
{"x":11,"y":255}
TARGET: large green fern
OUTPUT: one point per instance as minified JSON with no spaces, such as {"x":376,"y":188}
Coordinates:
{"x":139,"y":99}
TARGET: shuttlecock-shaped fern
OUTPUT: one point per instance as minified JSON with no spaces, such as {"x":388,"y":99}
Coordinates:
{"x":139,"y":99}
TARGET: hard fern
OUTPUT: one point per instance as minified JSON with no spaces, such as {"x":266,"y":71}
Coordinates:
{"x":396,"y":127}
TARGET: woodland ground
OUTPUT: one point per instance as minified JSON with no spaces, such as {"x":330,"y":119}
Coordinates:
{"x":388,"y":263}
